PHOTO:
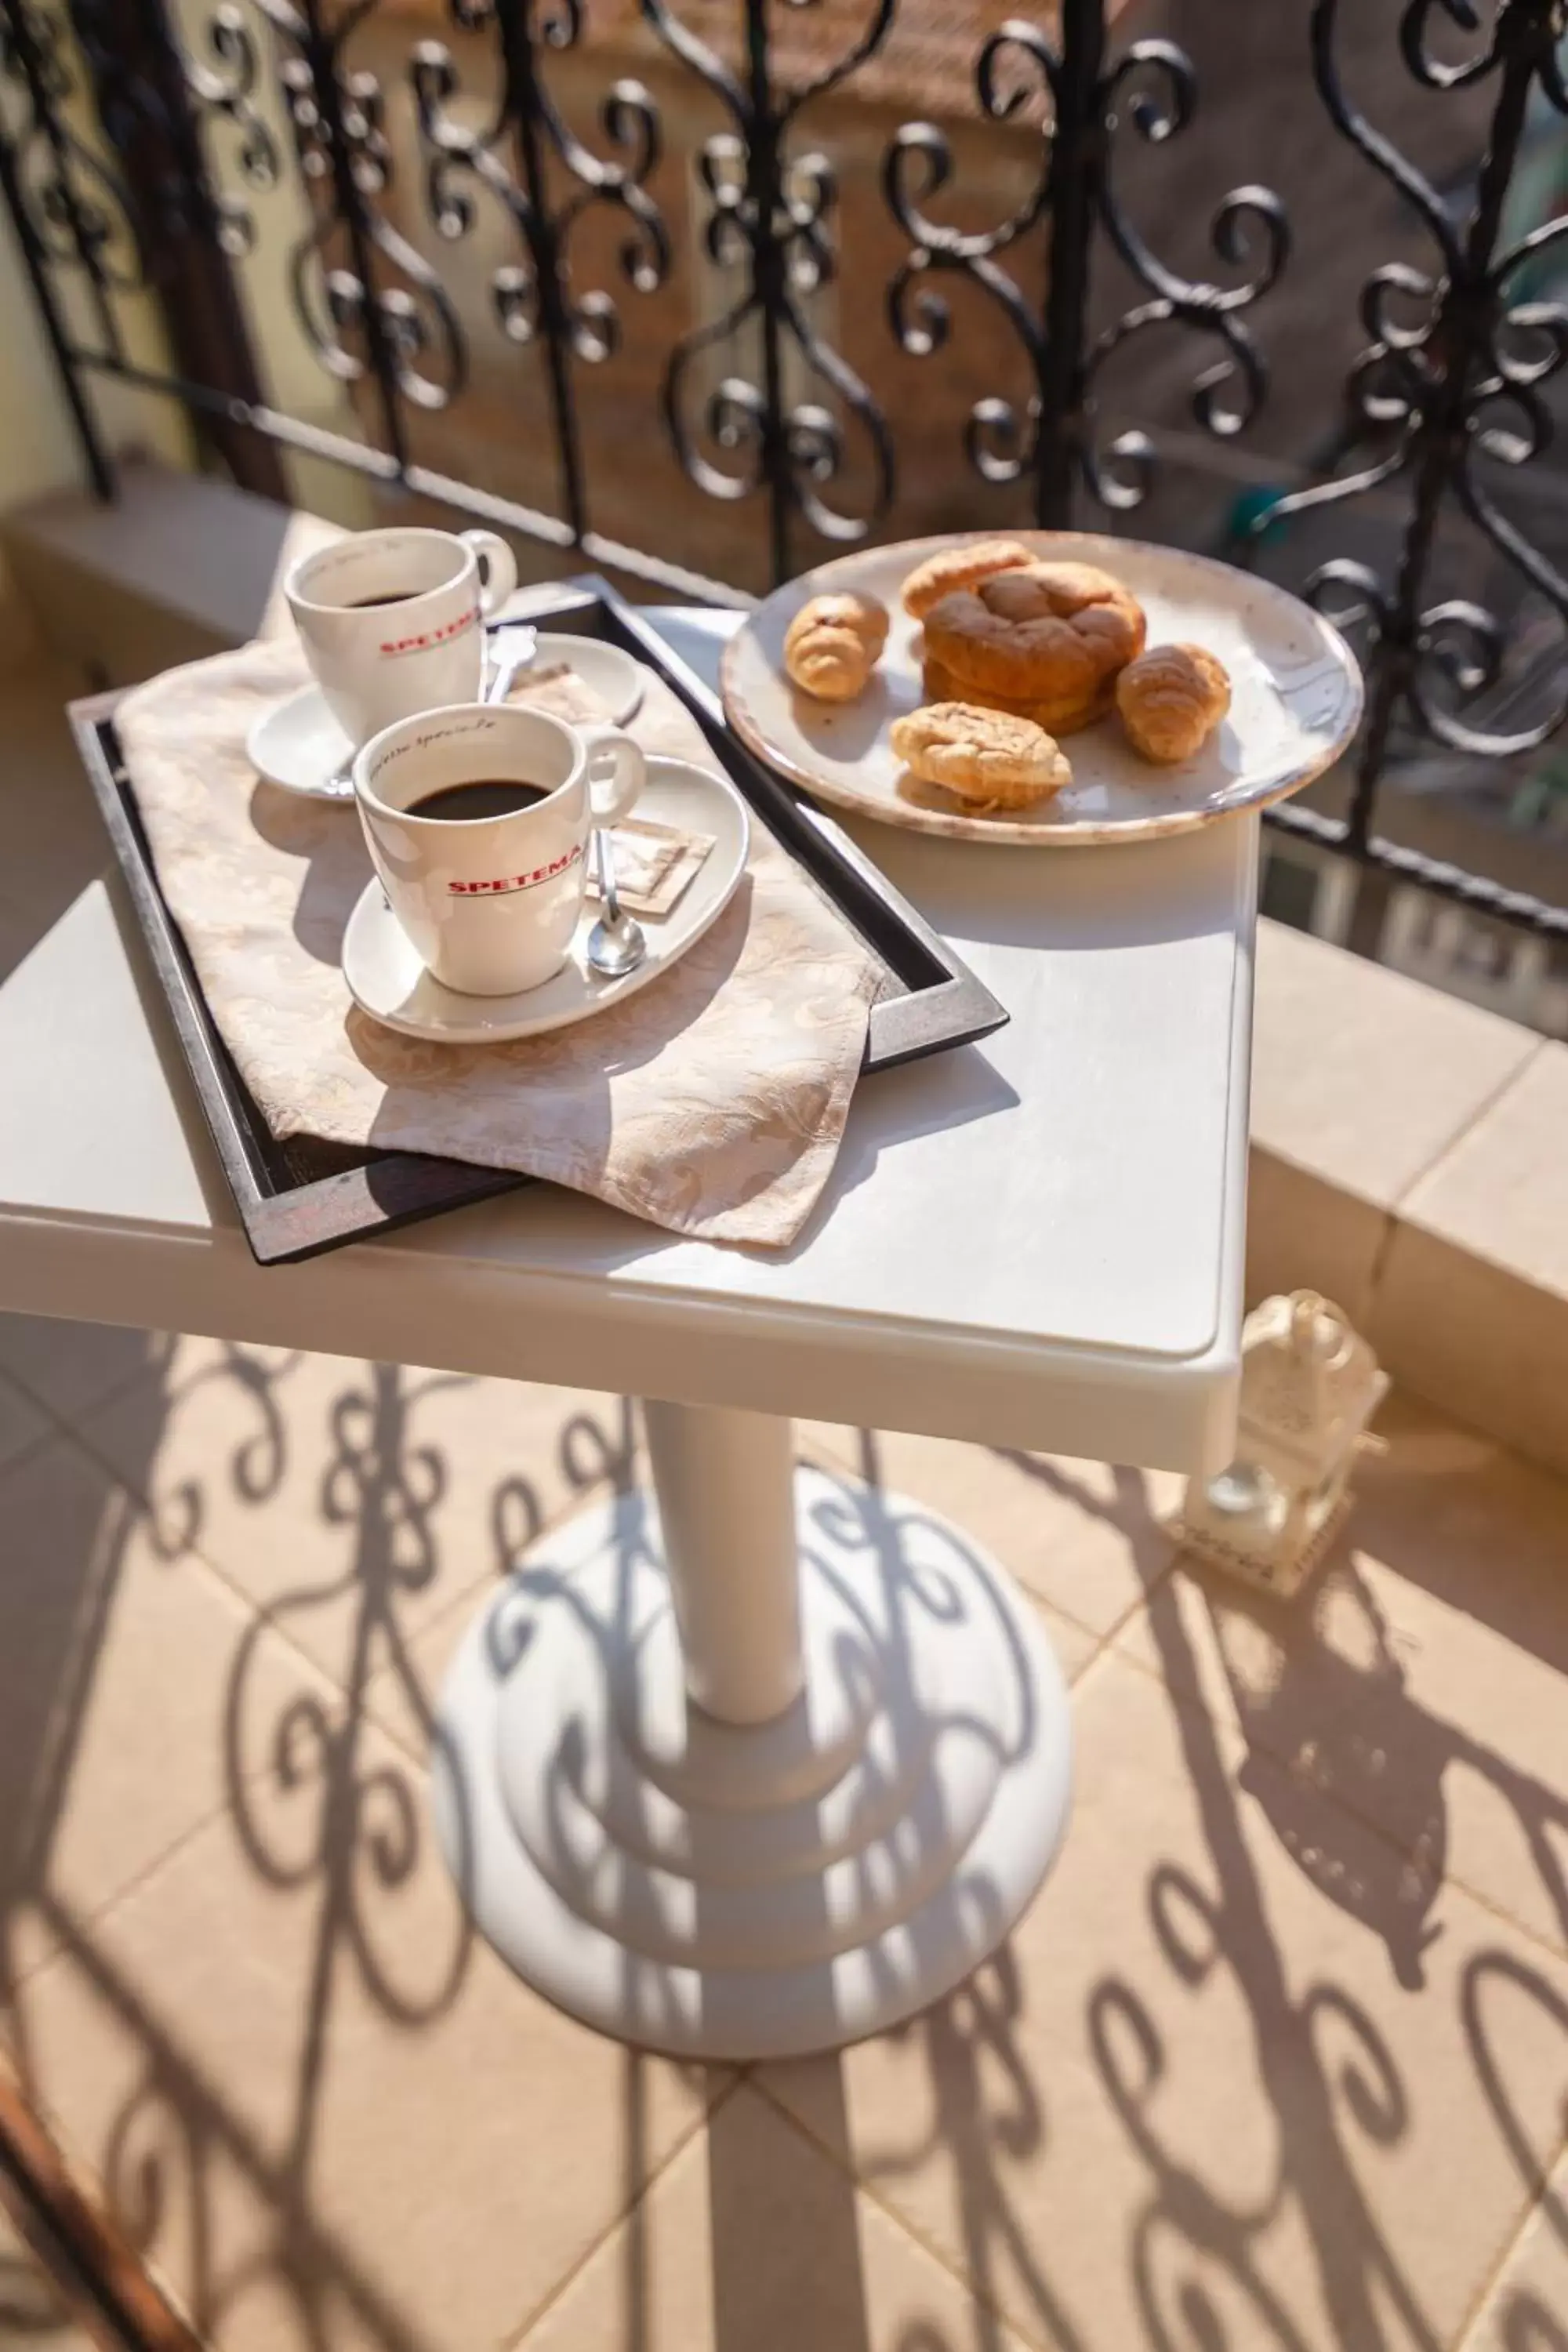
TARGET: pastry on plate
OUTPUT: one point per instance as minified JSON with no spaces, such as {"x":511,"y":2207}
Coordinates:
{"x":1060,"y":714}
{"x":1055,"y":633}
{"x":1170,"y":700}
{"x":960,"y":567}
{"x":987,"y":758}
{"x":833,"y":645}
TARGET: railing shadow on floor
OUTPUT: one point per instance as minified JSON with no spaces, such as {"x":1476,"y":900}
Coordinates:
{"x":351,"y":1817}
{"x":1328,"y":2075}
{"x":322,"y":1757}
{"x":324,"y":1805}
{"x":1318,"y":1689}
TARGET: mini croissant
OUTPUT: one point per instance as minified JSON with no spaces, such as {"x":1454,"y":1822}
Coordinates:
{"x":833,"y":645}
{"x":1171,"y":700}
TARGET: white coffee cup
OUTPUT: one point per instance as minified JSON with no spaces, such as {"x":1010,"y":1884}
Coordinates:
{"x":376,"y":661}
{"x":490,"y":905}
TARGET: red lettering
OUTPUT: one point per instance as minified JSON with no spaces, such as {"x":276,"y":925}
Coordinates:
{"x":510,"y":882}
{"x":443,"y":635}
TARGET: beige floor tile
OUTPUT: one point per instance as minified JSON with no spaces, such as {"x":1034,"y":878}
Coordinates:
{"x":353,"y":1502}
{"x":21,"y":1424}
{"x":1472,"y":1303}
{"x":334,"y":2118}
{"x":33,"y":2315}
{"x":1502,"y":1190}
{"x":1485,"y":1344}
{"x":135,"y":1694}
{"x":1082,"y":1535}
{"x":1526,"y":2309}
{"x":1075,"y":1646}
{"x":1362,"y":1075}
{"x":753,"y":2241}
{"x":1304,"y":1232}
{"x":402,"y":1696}
{"x":1191,"y":2102}
{"x":1421,"y":1678}
{"x":71,"y":1367}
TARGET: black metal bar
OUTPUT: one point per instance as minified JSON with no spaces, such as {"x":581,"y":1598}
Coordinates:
{"x":320,"y":47}
{"x":763,"y":200}
{"x":1460,"y":343}
{"x":138,"y":77}
{"x":1477,"y":891}
{"x":95,"y":456}
{"x":1076,"y":168}
{"x":658,"y":573}
{"x":46,"y":120}
{"x":518,"y":35}
{"x":422,"y":481}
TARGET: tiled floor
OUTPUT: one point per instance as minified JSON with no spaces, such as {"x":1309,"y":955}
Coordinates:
{"x":1277,"y":2059}
{"x":32,"y":2313}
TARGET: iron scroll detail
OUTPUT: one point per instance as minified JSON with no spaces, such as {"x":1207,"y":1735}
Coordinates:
{"x":1084,"y":105}
{"x":768,"y":213}
{"x":1452,"y":373}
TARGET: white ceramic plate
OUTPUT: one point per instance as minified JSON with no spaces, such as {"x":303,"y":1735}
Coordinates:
{"x":387,"y":979}
{"x":1295,"y":699}
{"x":298,"y":745}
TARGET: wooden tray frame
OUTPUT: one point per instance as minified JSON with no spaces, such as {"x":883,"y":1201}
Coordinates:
{"x":298,"y":1199}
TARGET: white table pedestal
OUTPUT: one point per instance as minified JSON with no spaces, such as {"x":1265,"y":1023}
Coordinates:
{"x":748,"y":1772}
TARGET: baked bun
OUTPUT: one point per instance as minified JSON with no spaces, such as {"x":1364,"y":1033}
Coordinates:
{"x":833,"y":645}
{"x":985,"y":758}
{"x":1052,"y":631}
{"x":960,"y":567}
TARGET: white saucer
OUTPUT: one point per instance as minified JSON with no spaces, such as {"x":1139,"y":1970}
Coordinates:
{"x":298,"y":745}
{"x":610,"y":675}
{"x":387,"y":979}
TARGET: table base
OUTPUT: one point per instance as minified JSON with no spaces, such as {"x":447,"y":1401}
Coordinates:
{"x":749,"y":1890}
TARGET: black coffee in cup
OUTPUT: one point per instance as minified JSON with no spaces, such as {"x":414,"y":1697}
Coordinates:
{"x":364,"y":603}
{"x":486,"y":796}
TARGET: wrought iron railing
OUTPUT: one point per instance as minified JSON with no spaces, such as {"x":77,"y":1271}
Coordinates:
{"x":1453,"y":378}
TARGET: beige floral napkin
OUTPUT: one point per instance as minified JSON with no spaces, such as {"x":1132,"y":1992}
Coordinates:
{"x":713,"y":1102}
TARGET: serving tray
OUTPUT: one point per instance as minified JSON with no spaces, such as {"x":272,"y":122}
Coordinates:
{"x":298,"y":1197}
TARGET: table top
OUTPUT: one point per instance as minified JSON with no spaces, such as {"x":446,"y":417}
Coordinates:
{"x":1035,"y":1240}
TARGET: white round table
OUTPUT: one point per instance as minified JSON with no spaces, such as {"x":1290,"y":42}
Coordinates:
{"x":737,"y":1767}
